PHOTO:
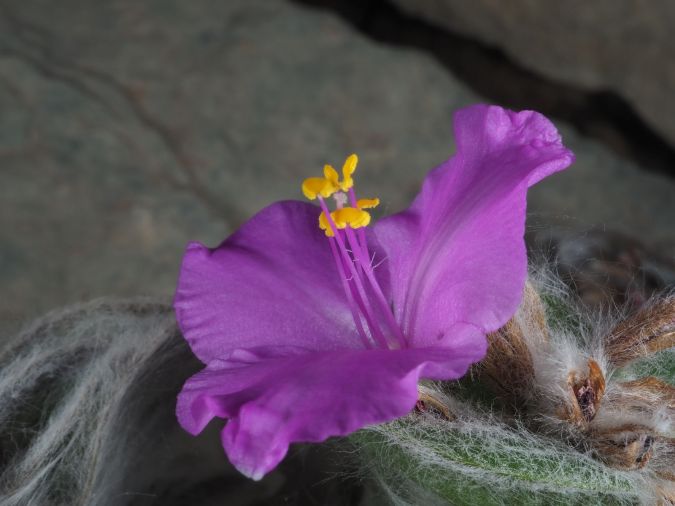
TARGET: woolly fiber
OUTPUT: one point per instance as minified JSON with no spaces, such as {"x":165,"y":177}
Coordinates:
{"x":551,"y":416}
{"x":87,"y":398}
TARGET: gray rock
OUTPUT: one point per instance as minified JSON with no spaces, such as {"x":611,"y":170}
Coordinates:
{"x":604,"y":191}
{"x":620,"y":45}
{"x":130,"y":128}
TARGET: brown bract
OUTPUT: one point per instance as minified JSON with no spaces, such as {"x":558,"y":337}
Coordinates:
{"x":628,"y":447}
{"x":650,"y":330}
{"x":646,"y":394}
{"x":508,"y":367}
{"x":663,"y":462}
{"x":555,"y":382}
{"x":665,"y":495}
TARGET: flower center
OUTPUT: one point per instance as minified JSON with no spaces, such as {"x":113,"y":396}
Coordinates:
{"x":344,"y":228}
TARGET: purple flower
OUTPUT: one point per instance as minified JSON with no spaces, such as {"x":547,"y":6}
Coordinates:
{"x":308,"y":334}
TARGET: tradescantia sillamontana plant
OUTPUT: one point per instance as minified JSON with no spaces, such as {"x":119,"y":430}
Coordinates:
{"x":312,"y":323}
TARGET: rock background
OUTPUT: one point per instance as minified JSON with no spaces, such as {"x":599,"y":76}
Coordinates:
{"x":129,"y":129}
{"x":619,"y":45}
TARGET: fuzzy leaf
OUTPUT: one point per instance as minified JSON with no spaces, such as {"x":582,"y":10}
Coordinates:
{"x":485,"y":463}
{"x":561,"y":313}
{"x":660,"y":365}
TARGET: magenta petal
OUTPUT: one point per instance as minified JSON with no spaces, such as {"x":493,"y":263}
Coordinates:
{"x":274,"y":281}
{"x":275,"y":397}
{"x":458,"y":254}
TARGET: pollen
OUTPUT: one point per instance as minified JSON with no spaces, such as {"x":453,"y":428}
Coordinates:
{"x":355,"y":218}
{"x":332,"y":177}
{"x":367,"y":203}
{"x":313,"y":187}
{"x":325,"y":186}
{"x":348,"y":169}
{"x":352,"y":216}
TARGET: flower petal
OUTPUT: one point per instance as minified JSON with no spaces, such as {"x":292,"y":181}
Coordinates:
{"x":273,"y":281}
{"x":275,"y":398}
{"x":458,"y":254}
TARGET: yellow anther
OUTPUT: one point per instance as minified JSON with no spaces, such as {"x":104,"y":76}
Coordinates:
{"x":355,"y":218}
{"x":325,"y":226}
{"x":343,"y":217}
{"x":326,"y":186}
{"x":367,"y":203}
{"x":312,"y":187}
{"x":332,"y":176}
{"x":347,"y":170}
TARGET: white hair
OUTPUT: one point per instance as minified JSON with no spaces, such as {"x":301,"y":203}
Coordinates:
{"x":87,"y":399}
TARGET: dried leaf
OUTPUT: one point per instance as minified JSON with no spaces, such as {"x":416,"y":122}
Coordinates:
{"x":585,"y":394}
{"x":648,"y":391}
{"x":663,"y":462}
{"x":665,"y":495}
{"x":427,"y":400}
{"x":627,"y":447}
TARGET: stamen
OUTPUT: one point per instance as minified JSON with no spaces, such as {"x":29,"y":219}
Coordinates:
{"x":352,"y":220}
{"x":350,"y":299}
{"x":343,"y":217}
{"x":362,"y":246}
{"x":332,"y":176}
{"x":348,"y":169}
{"x":350,"y":216}
{"x":365,"y":203}
{"x":312,"y":187}
{"x":355,"y":202}
{"x":361,"y":296}
{"x":362,"y":259}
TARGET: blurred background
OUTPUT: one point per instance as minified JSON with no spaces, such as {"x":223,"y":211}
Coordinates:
{"x":129,"y":128}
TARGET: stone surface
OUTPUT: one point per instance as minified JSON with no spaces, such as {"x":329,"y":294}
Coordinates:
{"x":620,"y":45}
{"x":130,"y":128}
{"x":601,"y":190}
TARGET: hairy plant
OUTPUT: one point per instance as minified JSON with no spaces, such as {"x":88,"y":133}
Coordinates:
{"x":568,"y":407}
{"x":87,"y":398}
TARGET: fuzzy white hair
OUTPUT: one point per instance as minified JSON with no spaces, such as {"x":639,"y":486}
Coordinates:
{"x":87,"y":398}
{"x":536,"y":449}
